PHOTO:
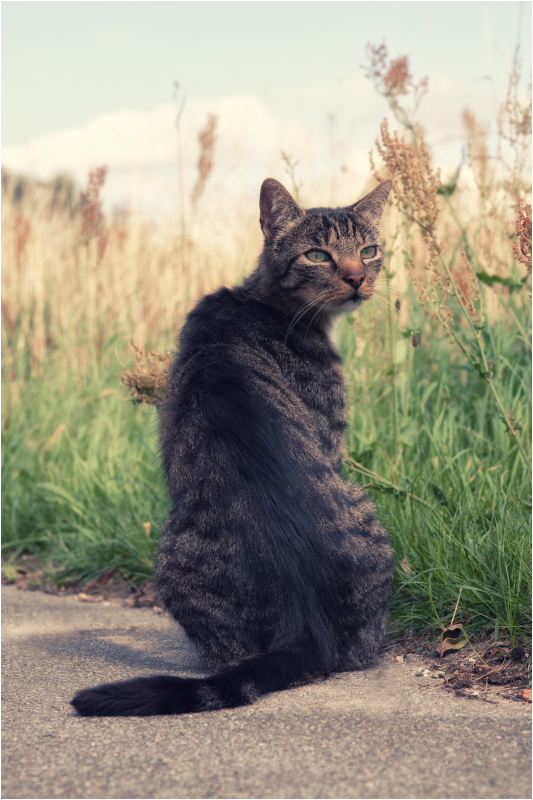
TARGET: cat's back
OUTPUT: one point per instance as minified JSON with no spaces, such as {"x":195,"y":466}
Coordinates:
{"x":237,"y":351}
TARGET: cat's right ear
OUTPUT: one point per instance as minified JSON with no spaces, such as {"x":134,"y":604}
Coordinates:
{"x":278,"y":210}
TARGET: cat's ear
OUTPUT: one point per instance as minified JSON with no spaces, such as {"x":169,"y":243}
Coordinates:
{"x":278,"y":210}
{"x":373,"y":204}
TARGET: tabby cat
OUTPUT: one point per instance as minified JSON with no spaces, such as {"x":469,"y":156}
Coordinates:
{"x":278,"y":569}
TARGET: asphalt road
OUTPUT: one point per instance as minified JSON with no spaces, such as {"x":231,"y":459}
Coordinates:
{"x":359,"y":735}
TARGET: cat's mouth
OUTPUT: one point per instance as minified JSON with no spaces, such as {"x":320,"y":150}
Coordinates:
{"x":352,"y":302}
{"x":359,"y":295}
{"x":356,"y":297}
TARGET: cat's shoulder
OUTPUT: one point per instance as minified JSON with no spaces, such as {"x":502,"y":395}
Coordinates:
{"x":226,"y":316}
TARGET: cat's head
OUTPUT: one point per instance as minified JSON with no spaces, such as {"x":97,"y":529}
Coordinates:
{"x":325,"y":258}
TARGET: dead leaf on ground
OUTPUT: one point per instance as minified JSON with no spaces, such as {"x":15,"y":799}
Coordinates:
{"x":140,"y":601}
{"x":524,"y":694}
{"x":453,"y":638}
{"x":89,"y":598}
{"x":400,"y":659}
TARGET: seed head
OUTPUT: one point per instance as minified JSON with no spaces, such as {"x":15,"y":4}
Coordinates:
{"x":207,"y":139}
{"x":522,"y":246}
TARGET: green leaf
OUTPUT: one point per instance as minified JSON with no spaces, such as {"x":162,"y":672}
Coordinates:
{"x":10,"y":572}
{"x":449,"y":188}
{"x":490,"y":280}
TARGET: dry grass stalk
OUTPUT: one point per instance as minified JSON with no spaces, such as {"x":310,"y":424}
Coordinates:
{"x":393,"y":79}
{"x":415,"y":187}
{"x":467,"y":283}
{"x":54,"y":281}
{"x":514,"y":128}
{"x":92,"y":216}
{"x":522,"y":246}
{"x":479,"y":156}
{"x":207,"y":139}
{"x":147,"y":381}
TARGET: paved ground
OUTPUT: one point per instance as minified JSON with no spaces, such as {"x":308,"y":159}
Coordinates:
{"x":374,"y":734}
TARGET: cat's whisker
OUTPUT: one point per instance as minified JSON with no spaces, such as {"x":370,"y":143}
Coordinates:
{"x":299,"y":314}
{"x":380,"y":293}
{"x":297,"y":317}
{"x":315,"y":315}
{"x":329,"y":307}
{"x":323,"y":308}
{"x":383,"y":284}
{"x":384,"y":302}
{"x":302,"y":311}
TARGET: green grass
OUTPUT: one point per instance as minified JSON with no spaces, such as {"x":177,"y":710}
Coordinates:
{"x":460,"y":500}
{"x":449,"y":482}
{"x":80,"y":499}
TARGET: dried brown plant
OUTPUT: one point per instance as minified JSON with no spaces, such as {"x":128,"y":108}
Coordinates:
{"x":22,"y":231}
{"x":92,"y":215}
{"x":207,"y":138}
{"x":57,"y":290}
{"x":522,"y":246}
{"x":514,"y":127}
{"x":467,"y":283}
{"x":147,"y":381}
{"x":393,"y":79}
{"x":415,"y":193}
{"x":515,"y":116}
{"x":91,"y":204}
{"x":416,"y":186}
{"x":479,"y":156}
{"x":119,"y":228}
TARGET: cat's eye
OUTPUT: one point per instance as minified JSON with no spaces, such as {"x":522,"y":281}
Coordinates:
{"x":369,"y":252}
{"x":317,"y":255}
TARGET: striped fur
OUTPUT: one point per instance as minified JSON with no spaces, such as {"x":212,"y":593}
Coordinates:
{"x":276,"y":567}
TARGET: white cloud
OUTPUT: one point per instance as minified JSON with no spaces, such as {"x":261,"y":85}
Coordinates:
{"x":141,"y":149}
{"x":328,"y":129}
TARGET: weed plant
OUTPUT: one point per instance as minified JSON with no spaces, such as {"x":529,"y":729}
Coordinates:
{"x":81,"y":476}
{"x":438,"y":368}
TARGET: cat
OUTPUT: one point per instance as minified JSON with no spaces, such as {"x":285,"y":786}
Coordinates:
{"x":277,"y":568}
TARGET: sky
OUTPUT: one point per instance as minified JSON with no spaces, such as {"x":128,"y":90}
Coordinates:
{"x":88,"y":83}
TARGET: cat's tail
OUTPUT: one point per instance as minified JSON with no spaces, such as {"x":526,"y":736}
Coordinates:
{"x":239,"y":685}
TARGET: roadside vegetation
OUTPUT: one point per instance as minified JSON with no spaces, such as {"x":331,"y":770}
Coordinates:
{"x":438,"y":367}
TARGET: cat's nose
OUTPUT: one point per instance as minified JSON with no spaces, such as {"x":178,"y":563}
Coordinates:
{"x":356,"y":279}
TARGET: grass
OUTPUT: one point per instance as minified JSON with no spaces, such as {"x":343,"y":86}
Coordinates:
{"x":438,"y":369}
{"x":448,"y":477}
{"x":81,"y":476}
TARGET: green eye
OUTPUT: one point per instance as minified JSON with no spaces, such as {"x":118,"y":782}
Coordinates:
{"x":369,"y":252}
{"x":317,"y":255}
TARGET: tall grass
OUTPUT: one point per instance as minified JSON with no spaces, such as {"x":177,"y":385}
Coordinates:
{"x":440,"y":437}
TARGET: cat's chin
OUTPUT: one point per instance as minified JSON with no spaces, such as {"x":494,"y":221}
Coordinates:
{"x":350,"y":305}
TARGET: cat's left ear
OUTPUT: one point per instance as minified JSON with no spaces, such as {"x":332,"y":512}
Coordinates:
{"x":373,"y":204}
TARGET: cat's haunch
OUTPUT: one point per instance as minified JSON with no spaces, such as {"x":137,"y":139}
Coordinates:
{"x":277,"y":568}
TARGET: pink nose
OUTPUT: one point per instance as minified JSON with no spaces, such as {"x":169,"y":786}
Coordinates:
{"x":356,"y":279}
